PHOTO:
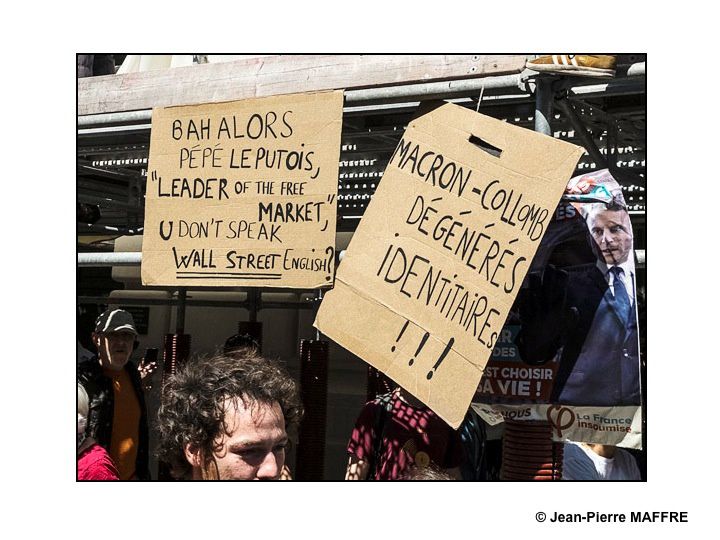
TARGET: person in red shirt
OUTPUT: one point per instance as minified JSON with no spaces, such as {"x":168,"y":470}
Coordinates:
{"x":396,"y":432}
{"x":94,"y":463}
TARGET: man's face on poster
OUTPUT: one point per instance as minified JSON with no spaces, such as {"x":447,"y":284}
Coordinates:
{"x":612,"y":233}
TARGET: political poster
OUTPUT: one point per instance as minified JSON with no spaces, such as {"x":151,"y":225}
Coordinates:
{"x":434,"y":267}
{"x":569,"y":355}
{"x":243,"y":193}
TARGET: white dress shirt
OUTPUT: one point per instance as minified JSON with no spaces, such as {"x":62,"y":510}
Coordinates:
{"x":628,"y":276}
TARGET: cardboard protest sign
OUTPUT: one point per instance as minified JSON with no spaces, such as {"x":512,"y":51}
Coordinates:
{"x":243,"y":193}
{"x":442,"y":249}
{"x":587,"y":385}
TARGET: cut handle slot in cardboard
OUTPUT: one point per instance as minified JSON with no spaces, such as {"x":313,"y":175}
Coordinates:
{"x":485,"y":146}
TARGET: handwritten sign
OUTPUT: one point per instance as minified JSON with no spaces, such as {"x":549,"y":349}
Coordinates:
{"x":244,"y":193}
{"x":436,"y":262}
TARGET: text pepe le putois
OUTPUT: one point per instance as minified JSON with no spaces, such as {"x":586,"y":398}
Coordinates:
{"x":257,"y":145}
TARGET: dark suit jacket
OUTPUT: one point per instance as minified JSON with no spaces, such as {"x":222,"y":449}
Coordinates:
{"x":600,"y":363}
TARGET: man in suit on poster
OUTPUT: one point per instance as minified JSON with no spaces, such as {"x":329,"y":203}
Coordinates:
{"x":595,"y":323}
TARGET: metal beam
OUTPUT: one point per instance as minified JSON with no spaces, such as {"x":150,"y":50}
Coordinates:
{"x":83,"y":228}
{"x":543,"y":105}
{"x":243,"y":304}
{"x":180,"y":310}
{"x":106,"y":119}
{"x":566,"y":107}
{"x":615,"y":87}
{"x":277,"y":75}
{"x":632,"y":83}
{"x":110,"y":203}
{"x":429,"y":91}
{"x":636,"y":70}
{"x":109,"y":259}
{"x":366,"y":97}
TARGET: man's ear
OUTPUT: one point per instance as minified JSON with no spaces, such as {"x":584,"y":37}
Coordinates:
{"x":96,"y":340}
{"x":193,"y":455}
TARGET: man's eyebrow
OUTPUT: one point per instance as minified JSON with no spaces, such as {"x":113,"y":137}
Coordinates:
{"x":244,"y":445}
{"x":250,"y":445}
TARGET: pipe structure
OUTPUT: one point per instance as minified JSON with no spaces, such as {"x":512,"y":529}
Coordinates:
{"x":243,"y":304}
{"x":108,"y":230}
{"x":614,"y":87}
{"x":126,"y":129}
{"x":636,"y":70}
{"x":543,"y":105}
{"x":254,"y":298}
{"x":109,"y":259}
{"x":422,"y":91}
{"x":434,"y":90}
{"x":114,"y":118}
{"x":301,"y":303}
{"x":108,"y":203}
{"x":180,"y":310}
{"x":528,"y":452}
{"x":316,"y":306}
{"x":310,"y":457}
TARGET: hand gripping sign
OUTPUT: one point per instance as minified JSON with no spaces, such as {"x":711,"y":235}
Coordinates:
{"x":435,"y":264}
{"x":244,"y":193}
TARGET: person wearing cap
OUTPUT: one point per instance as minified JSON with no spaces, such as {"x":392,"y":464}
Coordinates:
{"x":117,"y":418}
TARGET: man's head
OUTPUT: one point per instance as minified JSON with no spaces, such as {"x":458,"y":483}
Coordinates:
{"x":114,"y":337}
{"x":431,"y":472}
{"x":239,"y":342}
{"x":612,"y":232}
{"x":228,"y":418}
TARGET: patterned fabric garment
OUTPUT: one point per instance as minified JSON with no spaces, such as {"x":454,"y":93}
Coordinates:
{"x":410,"y":436}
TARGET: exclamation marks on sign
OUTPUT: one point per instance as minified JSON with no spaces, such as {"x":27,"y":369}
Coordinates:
{"x":422,"y":344}
{"x":423,"y":341}
{"x":537,"y":389}
{"x":400,"y":335}
{"x":442,"y":357}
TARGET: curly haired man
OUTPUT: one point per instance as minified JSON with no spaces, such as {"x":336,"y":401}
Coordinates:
{"x":228,"y":418}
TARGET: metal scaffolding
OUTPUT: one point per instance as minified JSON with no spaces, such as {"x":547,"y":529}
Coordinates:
{"x":113,"y":147}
